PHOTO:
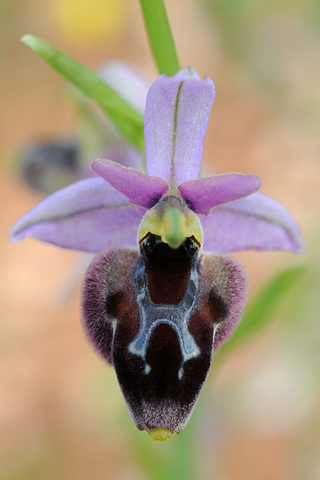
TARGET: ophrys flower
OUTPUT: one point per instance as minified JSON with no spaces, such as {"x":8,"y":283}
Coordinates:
{"x":158,"y":313}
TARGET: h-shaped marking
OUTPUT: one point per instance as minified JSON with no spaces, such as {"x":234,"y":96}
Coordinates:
{"x":177,"y":316}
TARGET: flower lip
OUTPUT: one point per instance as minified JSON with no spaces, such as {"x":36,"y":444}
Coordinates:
{"x":162,"y":358}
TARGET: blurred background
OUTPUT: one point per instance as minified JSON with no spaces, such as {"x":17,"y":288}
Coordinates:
{"x":61,"y":410}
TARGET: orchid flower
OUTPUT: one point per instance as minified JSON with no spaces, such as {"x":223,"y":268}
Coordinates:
{"x":158,"y":312}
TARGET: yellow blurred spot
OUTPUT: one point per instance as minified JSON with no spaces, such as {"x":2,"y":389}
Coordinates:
{"x":161,"y":434}
{"x":88,"y":22}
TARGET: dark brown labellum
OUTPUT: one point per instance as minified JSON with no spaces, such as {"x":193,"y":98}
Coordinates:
{"x":157,"y":317}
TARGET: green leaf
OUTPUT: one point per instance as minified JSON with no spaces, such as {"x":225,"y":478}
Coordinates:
{"x":264,"y":306}
{"x":160,"y":36}
{"x":126,"y":119}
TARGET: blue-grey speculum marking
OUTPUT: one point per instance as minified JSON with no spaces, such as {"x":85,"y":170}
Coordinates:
{"x":177,"y":316}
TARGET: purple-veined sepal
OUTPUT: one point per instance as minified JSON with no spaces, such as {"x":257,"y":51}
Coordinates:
{"x":255,"y":222}
{"x":88,"y":216}
{"x":175,"y":124}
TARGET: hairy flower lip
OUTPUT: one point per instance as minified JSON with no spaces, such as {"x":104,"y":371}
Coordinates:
{"x":158,"y":316}
{"x":158,"y":393}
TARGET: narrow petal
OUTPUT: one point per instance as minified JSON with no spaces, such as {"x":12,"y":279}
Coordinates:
{"x":176,"y":117}
{"x":127,"y":81}
{"x":88,"y":216}
{"x":204,"y":194}
{"x":256,"y":222}
{"x":140,"y":188}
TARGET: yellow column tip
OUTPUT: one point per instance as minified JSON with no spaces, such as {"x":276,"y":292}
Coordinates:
{"x":161,"y":434}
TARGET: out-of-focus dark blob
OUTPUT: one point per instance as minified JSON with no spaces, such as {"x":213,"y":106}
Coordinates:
{"x":50,"y":165}
{"x":158,"y":316}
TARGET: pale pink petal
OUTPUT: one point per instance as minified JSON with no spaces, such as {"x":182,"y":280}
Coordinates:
{"x":140,"y":188}
{"x":204,"y":194}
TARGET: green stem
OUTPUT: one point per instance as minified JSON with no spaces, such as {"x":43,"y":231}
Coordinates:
{"x":160,"y":36}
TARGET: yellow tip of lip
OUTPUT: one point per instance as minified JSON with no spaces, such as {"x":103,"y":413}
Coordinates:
{"x":161,"y":434}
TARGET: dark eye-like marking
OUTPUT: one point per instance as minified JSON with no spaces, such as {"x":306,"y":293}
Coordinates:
{"x":149,"y":242}
{"x":191,"y":246}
